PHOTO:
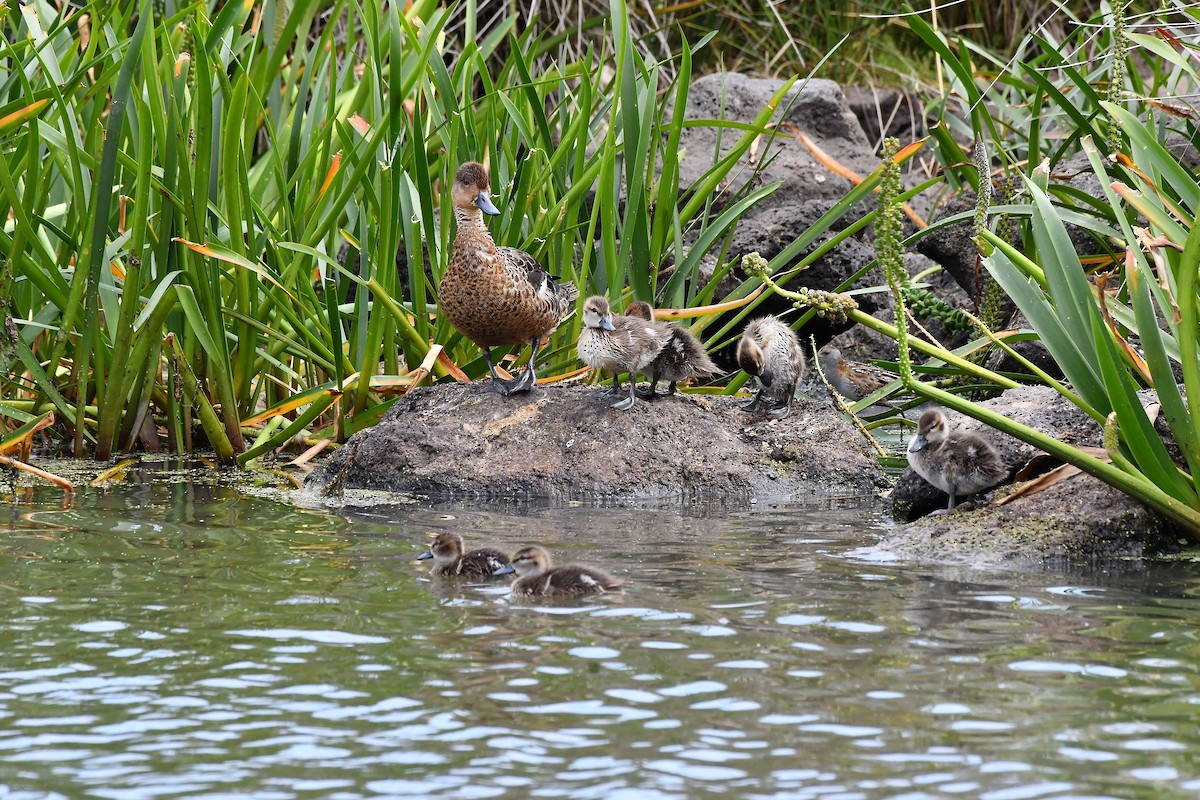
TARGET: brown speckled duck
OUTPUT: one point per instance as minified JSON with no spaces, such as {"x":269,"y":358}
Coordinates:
{"x":771,"y":351}
{"x":497,"y":295}
{"x":683,"y":356}
{"x":619,"y":344}
{"x":538,"y":577}
{"x":852,"y":379}
{"x":960,"y":463}
{"x":451,"y":561}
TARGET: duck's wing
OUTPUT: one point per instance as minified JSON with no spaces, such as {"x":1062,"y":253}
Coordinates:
{"x":580,"y":579}
{"x":482,"y":563}
{"x":527,"y":275}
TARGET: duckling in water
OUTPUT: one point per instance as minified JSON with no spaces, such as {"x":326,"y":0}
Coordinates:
{"x":771,"y":351}
{"x":619,"y":344}
{"x":852,"y":379}
{"x":497,"y":295}
{"x":683,"y":356}
{"x":451,"y":561}
{"x":538,"y":577}
{"x":957,"y":462}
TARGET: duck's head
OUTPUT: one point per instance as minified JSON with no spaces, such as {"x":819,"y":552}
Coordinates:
{"x":528,"y":562}
{"x":596,"y":313}
{"x":640,"y":309}
{"x":446,"y":548}
{"x":750,"y":357}
{"x":470,"y":192}
{"x":931,"y":428}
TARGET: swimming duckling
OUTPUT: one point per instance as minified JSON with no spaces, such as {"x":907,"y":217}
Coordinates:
{"x":497,"y":295}
{"x":682,"y":358}
{"x":451,"y":561}
{"x":619,"y":344}
{"x":771,"y":351}
{"x":538,"y":577}
{"x":852,"y":379}
{"x":957,"y":462}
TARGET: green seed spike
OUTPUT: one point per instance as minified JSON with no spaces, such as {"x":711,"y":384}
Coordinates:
{"x":889,"y":248}
{"x":1116,"y":74}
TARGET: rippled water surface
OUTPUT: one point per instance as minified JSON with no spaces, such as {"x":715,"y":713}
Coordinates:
{"x":167,"y":638}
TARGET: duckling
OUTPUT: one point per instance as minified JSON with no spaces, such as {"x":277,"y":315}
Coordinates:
{"x":619,"y":344}
{"x":538,"y":577}
{"x":957,"y":462}
{"x":451,"y":560}
{"x":682,"y":358}
{"x":852,"y":379}
{"x":771,"y":351}
{"x":497,"y":295}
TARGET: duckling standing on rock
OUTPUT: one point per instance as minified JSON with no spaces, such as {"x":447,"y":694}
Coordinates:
{"x":497,"y":295}
{"x":852,"y":379}
{"x":682,"y":358}
{"x":450,"y":560}
{"x":538,"y":577}
{"x":771,"y":351}
{"x":957,"y":462}
{"x":619,"y":344}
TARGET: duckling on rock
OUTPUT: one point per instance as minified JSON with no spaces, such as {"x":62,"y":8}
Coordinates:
{"x":683,"y":356}
{"x":771,"y":351}
{"x":451,"y":561}
{"x":957,"y":462}
{"x":497,"y":295}
{"x":852,"y":379}
{"x":538,"y":577}
{"x":619,"y":344}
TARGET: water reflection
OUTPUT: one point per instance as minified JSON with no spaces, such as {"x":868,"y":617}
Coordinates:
{"x":169,"y":637}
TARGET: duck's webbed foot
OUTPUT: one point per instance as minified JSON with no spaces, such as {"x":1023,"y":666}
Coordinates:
{"x":627,"y":403}
{"x":754,"y":403}
{"x":524,"y":383}
{"x":651,"y":391}
{"x":781,"y":412}
{"x":498,"y":385}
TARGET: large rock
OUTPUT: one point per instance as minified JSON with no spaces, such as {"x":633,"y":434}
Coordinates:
{"x":566,"y":443}
{"x":1079,"y":520}
{"x":808,"y":189}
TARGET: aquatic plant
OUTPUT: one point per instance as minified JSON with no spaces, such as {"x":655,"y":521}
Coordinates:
{"x":230,"y":214}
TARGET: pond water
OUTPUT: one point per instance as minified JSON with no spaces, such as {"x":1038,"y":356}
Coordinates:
{"x":171,"y":637}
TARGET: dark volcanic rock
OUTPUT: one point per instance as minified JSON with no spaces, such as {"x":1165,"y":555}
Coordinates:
{"x":818,"y":109}
{"x":566,"y":443}
{"x":886,"y":112}
{"x":1080,"y":521}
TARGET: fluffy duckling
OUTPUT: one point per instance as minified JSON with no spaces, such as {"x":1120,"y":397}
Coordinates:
{"x":619,"y":344}
{"x":852,"y":379}
{"x":682,"y":358}
{"x":451,"y":560}
{"x":771,"y":351}
{"x":538,"y":577}
{"x":497,"y":295}
{"x":957,"y":462}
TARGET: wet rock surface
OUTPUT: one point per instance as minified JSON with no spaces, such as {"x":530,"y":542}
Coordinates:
{"x":566,"y":443}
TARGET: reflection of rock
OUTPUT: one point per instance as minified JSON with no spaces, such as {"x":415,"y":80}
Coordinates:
{"x":1080,"y":519}
{"x":566,"y":443}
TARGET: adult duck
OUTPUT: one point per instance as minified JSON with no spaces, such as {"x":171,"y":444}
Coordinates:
{"x":493,"y":295}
